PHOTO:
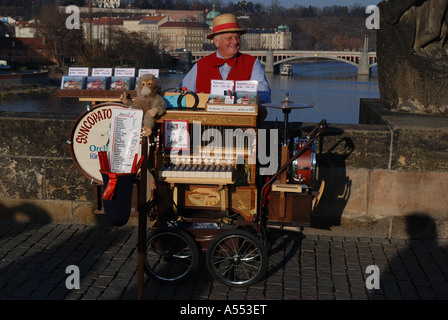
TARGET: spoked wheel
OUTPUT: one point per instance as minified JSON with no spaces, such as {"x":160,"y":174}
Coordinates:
{"x":171,"y":255}
{"x":237,"y":258}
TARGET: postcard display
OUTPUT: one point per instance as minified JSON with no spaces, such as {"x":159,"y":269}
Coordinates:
{"x":103,"y":78}
{"x":230,"y":96}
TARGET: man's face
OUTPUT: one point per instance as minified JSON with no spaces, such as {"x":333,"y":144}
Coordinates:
{"x":228,"y":44}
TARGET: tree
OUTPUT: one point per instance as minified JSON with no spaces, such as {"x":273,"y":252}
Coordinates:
{"x":308,"y":12}
{"x":145,"y":4}
{"x":156,"y":4}
{"x":276,"y":9}
{"x":133,"y":48}
{"x":63,"y":42}
{"x":79,"y":3}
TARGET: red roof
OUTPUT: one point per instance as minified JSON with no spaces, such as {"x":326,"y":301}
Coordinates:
{"x":108,"y":21}
{"x":23,"y":24}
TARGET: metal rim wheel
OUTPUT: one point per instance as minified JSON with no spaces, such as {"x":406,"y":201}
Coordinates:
{"x":237,"y":258}
{"x":171,"y":255}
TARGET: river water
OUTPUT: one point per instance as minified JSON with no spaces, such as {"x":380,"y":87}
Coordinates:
{"x":333,"y":87}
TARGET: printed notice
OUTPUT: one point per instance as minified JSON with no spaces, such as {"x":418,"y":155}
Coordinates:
{"x":101,"y":72}
{"x":125,"y":72}
{"x":155,"y":72}
{"x":246,"y":86}
{"x":218,"y":87}
{"x":78,"y":71}
{"x":125,"y":134}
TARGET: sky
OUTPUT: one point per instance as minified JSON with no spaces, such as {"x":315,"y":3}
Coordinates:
{"x":318,"y":3}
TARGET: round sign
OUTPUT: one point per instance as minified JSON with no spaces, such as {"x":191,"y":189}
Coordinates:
{"x":89,"y":135}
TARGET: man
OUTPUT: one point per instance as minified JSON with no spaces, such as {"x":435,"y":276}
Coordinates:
{"x":227,"y":63}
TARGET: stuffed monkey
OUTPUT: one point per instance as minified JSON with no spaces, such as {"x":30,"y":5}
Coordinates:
{"x":147,"y":100}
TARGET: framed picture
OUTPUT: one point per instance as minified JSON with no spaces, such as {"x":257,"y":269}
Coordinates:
{"x":176,"y":134}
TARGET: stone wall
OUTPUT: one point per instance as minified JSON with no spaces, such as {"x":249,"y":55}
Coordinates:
{"x":383,"y":174}
{"x":39,"y":181}
{"x":378,"y":175}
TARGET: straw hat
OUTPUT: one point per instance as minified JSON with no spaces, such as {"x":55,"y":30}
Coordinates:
{"x":225,"y":23}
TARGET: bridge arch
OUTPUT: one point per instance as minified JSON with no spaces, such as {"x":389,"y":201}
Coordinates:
{"x":350,"y":57}
{"x":312,"y":56}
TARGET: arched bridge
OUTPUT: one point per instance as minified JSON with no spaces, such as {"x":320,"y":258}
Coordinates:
{"x":270,"y":58}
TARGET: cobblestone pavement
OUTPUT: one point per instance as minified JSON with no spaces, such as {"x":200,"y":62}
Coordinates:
{"x":34,"y":258}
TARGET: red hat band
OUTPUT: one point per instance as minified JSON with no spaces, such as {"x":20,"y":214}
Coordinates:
{"x":225,"y":26}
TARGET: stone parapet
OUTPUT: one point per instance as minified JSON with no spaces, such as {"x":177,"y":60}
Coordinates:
{"x":377,"y":175}
{"x":378,"y":203}
{"x":418,"y":142}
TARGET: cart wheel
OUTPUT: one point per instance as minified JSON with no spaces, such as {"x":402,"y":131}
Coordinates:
{"x":171,"y":255}
{"x":237,"y":258}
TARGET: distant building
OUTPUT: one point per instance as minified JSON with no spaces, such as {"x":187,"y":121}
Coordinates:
{"x":102,"y":28}
{"x":208,"y":44}
{"x":24,"y":29}
{"x":211,"y":15}
{"x":107,"y":3}
{"x":146,"y":24}
{"x":278,"y":40}
{"x":183,"y":15}
{"x":175,"y":35}
{"x":169,"y":29}
{"x":265,"y":39}
{"x":150,"y":26}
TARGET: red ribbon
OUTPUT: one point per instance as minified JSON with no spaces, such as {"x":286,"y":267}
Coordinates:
{"x":230,"y":25}
{"x":110,"y":188}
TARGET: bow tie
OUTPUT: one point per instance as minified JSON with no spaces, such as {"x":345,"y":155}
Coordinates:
{"x":219,"y":62}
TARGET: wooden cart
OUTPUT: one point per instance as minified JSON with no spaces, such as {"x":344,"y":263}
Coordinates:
{"x":208,"y":196}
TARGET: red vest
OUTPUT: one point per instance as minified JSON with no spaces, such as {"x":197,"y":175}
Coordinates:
{"x":207,"y":71}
